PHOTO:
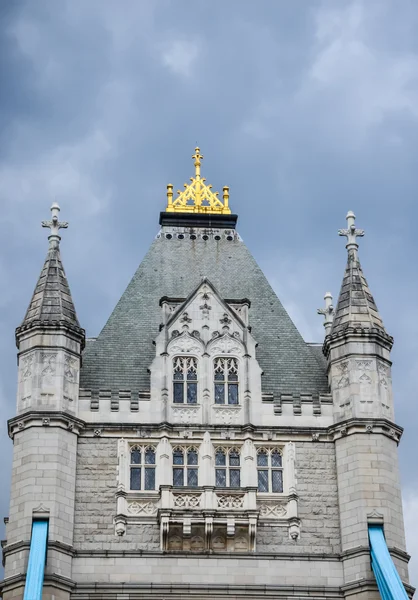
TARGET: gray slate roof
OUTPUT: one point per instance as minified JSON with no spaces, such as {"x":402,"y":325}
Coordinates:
{"x":356,"y":306}
{"x":121,"y":355}
{"x":51,"y":303}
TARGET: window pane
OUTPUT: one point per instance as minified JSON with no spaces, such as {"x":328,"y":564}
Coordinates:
{"x":136,"y":457}
{"x":220,"y":476}
{"x":192,"y":477}
{"x":150,"y":456}
{"x":276,"y":459}
{"x":232,"y":377}
{"x":263,"y":481}
{"x":178,"y":392}
{"x":149,"y":478}
{"x":234,"y":458}
{"x":262,"y":459}
{"x":219,"y":376}
{"x":191,"y":393}
{"x":233,"y":393}
{"x":219,"y":393}
{"x":178,"y":376}
{"x":234,"y":477}
{"x":277,"y":481}
{"x":178,"y":477}
{"x":135,"y":478}
{"x":178,"y":458}
{"x":220,"y":458}
{"x":192,"y":457}
{"x":191,"y":374}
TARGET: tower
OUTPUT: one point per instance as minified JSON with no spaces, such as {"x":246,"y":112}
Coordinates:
{"x":202,"y":448}
{"x":357,"y":348}
{"x":44,"y":431}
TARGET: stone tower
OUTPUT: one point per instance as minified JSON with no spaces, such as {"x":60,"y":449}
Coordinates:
{"x":44,"y":432}
{"x":357,"y":348}
{"x":202,"y":448}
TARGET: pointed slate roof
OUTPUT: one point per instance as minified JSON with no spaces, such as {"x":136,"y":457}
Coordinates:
{"x":51,"y":303}
{"x":356,"y":306}
{"x":174,"y":266}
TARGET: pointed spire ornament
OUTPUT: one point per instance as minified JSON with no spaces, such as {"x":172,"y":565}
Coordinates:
{"x":327,"y":312}
{"x":54,"y":225}
{"x":351,"y":233}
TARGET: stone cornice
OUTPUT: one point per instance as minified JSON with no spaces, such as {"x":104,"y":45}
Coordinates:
{"x":369,"y":426}
{"x":25,"y":545}
{"x":362,"y":550}
{"x":356,"y":334}
{"x":44,"y":419}
{"x":54,"y":580}
{"x":354,"y":587}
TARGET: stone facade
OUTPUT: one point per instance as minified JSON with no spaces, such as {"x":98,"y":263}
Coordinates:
{"x":195,"y":448}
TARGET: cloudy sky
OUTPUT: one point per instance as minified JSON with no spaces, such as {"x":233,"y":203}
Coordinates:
{"x":306,"y":109}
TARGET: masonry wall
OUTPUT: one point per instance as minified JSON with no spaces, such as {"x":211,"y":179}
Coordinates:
{"x":95,"y":508}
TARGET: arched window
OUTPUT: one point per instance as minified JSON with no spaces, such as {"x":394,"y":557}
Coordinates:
{"x":142,"y":468}
{"x":227,"y":468}
{"x":185,"y":380}
{"x":270,"y":470}
{"x":226,"y":380}
{"x":185,"y":466}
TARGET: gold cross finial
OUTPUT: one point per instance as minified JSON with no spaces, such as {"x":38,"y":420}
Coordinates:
{"x":197,"y":196}
{"x":197,"y":161}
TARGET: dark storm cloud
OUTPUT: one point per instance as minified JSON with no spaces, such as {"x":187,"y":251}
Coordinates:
{"x":305,"y":109}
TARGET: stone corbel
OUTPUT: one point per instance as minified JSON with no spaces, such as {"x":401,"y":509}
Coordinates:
{"x":164,"y":529}
{"x":208,"y":532}
{"x":230,"y":527}
{"x":120,"y":525}
{"x":187,"y":527}
{"x":252,"y":532}
{"x":294,"y":529}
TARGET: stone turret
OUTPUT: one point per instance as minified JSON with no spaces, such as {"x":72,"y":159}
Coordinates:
{"x":49,"y":341}
{"x":357,"y":348}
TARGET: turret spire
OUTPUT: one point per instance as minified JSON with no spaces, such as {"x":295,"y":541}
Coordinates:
{"x":356,"y":307}
{"x":51,"y":302}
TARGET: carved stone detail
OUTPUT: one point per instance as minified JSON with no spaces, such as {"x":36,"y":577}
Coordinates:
{"x":70,"y":368}
{"x":185,"y":344}
{"x":275,"y":511}
{"x":186,"y":414}
{"x":187,"y":500}
{"x":226,"y":415}
{"x":142,"y":508}
{"x":27,"y":367}
{"x":226,"y":345}
{"x":49,"y":365}
{"x":230,"y":501}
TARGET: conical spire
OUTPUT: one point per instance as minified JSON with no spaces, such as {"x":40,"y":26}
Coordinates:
{"x":51,"y":303}
{"x":356,"y":307}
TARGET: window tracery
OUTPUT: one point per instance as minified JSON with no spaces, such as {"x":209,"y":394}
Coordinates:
{"x":185,"y":467}
{"x":226,"y":380}
{"x":227,"y":467}
{"x":142,"y":468}
{"x":270,"y":470}
{"x":185,"y":380}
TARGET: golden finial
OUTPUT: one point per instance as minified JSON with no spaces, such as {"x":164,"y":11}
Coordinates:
{"x":197,"y":196}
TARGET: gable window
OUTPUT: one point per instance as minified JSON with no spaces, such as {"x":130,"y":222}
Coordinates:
{"x":227,"y":468}
{"x":185,"y":380}
{"x":142,"y":468}
{"x":270,"y":470}
{"x":185,"y":465}
{"x":226,"y":380}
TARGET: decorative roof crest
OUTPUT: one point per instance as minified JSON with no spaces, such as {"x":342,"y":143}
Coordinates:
{"x":54,"y":225}
{"x":351,"y":233}
{"x":197,"y":197}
